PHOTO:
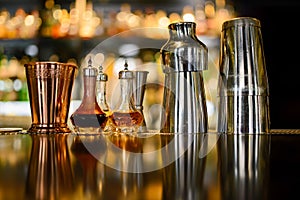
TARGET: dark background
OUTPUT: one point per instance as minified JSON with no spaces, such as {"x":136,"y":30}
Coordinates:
{"x":280,"y":21}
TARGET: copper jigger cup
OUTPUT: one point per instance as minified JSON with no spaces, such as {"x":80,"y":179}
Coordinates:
{"x":50,"y":88}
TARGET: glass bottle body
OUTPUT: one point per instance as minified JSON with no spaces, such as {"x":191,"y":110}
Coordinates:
{"x":101,"y":96}
{"x":126,"y":118}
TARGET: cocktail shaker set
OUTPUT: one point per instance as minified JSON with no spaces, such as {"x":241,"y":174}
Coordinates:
{"x":243,"y":100}
{"x":243,"y":83}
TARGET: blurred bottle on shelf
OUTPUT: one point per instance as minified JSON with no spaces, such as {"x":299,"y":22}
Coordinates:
{"x":13,"y":86}
{"x":20,"y":25}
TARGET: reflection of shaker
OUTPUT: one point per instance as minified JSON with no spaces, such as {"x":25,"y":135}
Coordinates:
{"x":244,"y":166}
{"x":243,"y":81}
{"x":183,"y":58}
{"x":183,"y":178}
{"x":139,"y":86}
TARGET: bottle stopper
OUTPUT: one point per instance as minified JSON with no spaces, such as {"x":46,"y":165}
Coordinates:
{"x":90,"y":70}
{"x":126,"y":74}
{"x":101,"y":75}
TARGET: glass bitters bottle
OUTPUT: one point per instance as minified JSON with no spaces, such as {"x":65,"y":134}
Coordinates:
{"x":89,"y":118}
{"x":102,"y":78}
{"x":126,"y":118}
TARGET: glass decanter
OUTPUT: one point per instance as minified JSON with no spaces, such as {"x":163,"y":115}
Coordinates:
{"x":89,"y":118}
{"x":126,"y":118}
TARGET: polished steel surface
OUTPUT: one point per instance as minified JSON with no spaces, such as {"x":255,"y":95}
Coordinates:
{"x":184,"y":178}
{"x":184,"y":51}
{"x":139,"y":87}
{"x":50,"y":88}
{"x":244,"y":165}
{"x":243,"y":81}
{"x":184,"y":102}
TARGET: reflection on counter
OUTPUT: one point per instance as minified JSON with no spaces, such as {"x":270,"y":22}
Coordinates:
{"x":88,"y":167}
{"x":49,"y":173}
{"x":244,"y":166}
{"x":154,"y":166}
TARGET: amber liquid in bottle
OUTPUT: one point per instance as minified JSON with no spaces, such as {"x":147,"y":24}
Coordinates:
{"x":89,"y":120}
{"x":127,"y":119}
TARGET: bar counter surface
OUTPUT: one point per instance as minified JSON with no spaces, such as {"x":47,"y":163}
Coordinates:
{"x":151,"y":166}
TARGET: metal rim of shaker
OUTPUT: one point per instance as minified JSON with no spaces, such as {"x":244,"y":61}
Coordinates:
{"x":177,"y":24}
{"x":241,"y":21}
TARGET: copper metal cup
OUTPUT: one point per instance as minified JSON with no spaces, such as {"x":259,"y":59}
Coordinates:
{"x":50,"y":87}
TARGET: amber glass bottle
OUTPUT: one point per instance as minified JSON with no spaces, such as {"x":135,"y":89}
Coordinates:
{"x":89,"y":118}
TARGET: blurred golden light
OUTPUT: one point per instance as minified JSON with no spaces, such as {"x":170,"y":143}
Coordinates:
{"x":96,"y":21}
{"x":87,"y":15}
{"x":57,"y":14}
{"x":188,"y":17}
{"x":164,"y":22}
{"x":133,"y":21}
{"x":29,"y":20}
{"x":200,"y":15}
{"x":220,"y":3}
{"x":121,"y":16}
{"x":174,"y":17}
{"x":2,"y":19}
{"x":49,"y":4}
{"x":209,"y":9}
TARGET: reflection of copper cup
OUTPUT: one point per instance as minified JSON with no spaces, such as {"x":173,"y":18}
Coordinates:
{"x":50,"y":87}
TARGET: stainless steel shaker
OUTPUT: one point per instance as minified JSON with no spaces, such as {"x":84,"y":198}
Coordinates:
{"x":184,"y":57}
{"x":243,"y":81}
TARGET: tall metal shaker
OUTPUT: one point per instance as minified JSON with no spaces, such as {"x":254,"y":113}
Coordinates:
{"x":184,"y":57}
{"x":243,"y":81}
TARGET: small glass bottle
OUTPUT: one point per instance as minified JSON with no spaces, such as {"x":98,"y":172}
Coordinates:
{"x":125,"y":118}
{"x":89,"y":118}
{"x":101,"y":91}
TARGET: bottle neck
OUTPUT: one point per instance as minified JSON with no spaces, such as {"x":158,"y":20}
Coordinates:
{"x":126,"y":95}
{"x":89,"y":94}
{"x":101,"y":95}
{"x":101,"y":90}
